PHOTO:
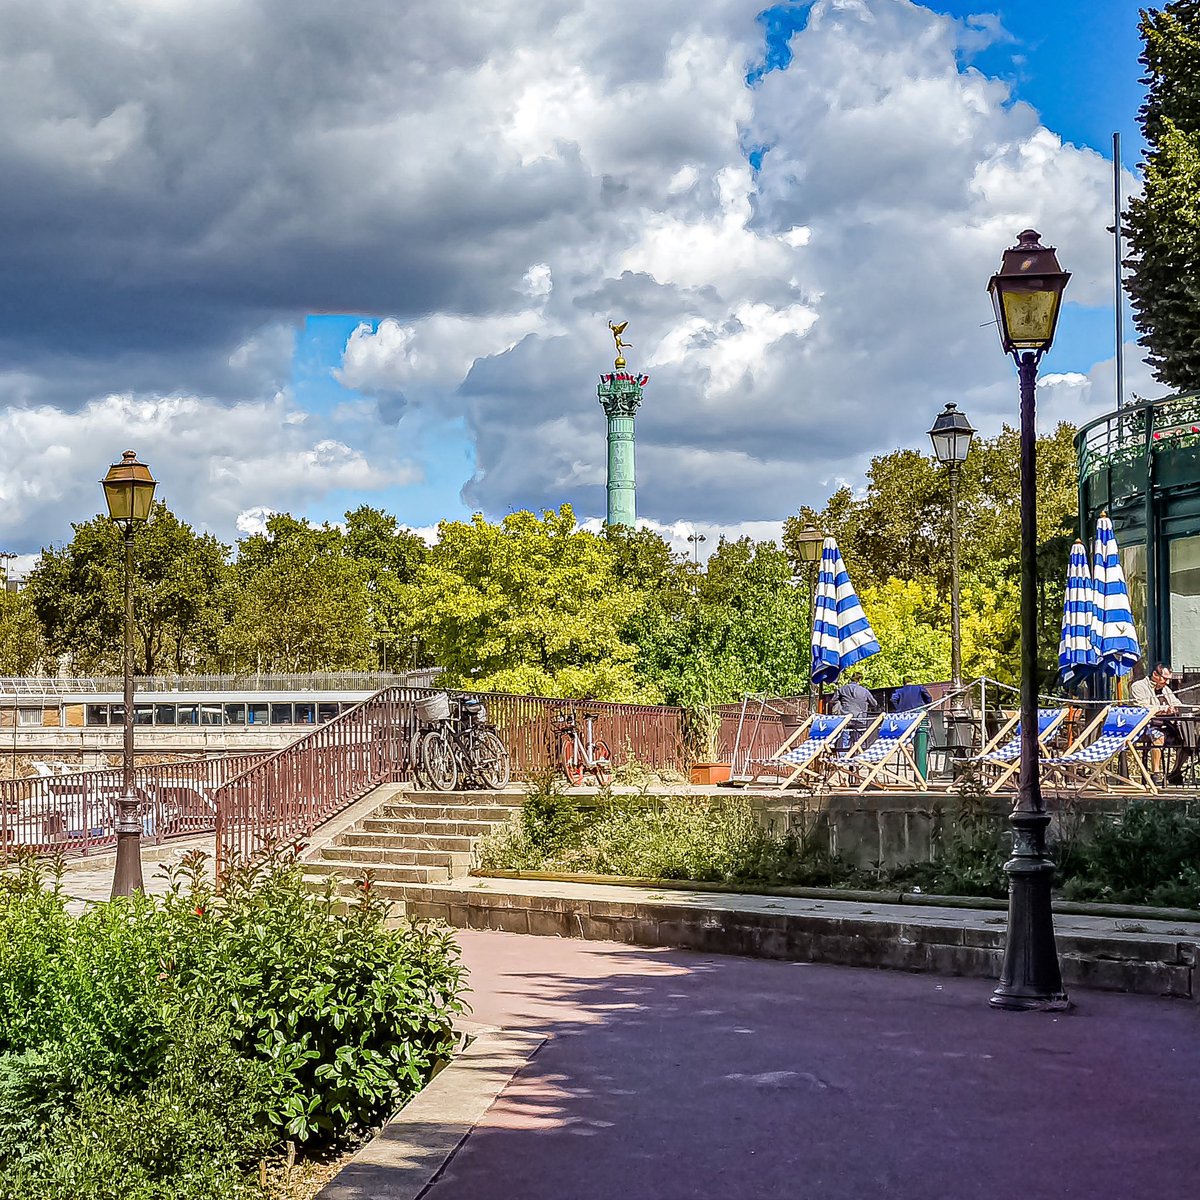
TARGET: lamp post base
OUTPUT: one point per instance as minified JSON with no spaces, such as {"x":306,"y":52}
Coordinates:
{"x":1030,"y":977}
{"x":127,"y":875}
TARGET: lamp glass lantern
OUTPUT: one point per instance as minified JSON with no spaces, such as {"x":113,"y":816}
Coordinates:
{"x":1027,"y":294}
{"x":129,"y":489}
{"x":951,"y":436}
{"x":810,"y":541}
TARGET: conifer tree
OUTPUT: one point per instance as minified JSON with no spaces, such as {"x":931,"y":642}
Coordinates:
{"x":1163,"y":225}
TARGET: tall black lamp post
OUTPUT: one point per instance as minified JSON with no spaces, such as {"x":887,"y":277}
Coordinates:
{"x":1027,"y":294}
{"x":951,"y":437}
{"x":129,"y":494}
{"x":809,"y":542}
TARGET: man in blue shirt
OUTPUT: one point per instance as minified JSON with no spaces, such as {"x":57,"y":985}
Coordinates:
{"x":910,"y":696}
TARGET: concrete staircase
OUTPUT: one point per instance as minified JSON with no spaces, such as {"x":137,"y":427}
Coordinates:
{"x":409,"y":837}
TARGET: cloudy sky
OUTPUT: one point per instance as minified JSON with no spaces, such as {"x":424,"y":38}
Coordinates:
{"x":303,"y":256}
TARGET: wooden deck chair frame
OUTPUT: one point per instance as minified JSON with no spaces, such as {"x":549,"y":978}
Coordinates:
{"x":887,"y":766}
{"x":1009,"y":769}
{"x":1139,"y":780}
{"x":797,"y":737}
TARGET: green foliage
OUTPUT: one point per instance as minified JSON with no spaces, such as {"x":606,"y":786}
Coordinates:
{"x":389,"y":557}
{"x":156,"y":1048}
{"x":1151,"y":855}
{"x":23,"y":649}
{"x":532,"y":604}
{"x":78,"y":594}
{"x":1163,"y":223}
{"x":299,"y":602}
{"x":900,"y":530}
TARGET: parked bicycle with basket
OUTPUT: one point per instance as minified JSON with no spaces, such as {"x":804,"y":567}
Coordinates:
{"x":455,"y":744}
{"x":579,"y":751}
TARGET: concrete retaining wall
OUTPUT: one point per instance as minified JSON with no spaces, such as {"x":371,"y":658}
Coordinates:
{"x":1126,"y":962}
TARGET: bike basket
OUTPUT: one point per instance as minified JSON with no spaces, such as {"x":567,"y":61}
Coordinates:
{"x":434,"y":708}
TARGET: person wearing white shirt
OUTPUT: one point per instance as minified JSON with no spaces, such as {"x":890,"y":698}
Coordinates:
{"x":1155,"y":694}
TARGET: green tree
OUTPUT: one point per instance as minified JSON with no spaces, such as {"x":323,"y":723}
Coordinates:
{"x":899,"y":529}
{"x":78,"y":594}
{"x":532,"y":604}
{"x":22,"y":647}
{"x":298,"y":602}
{"x":389,"y":557}
{"x":1163,"y":223}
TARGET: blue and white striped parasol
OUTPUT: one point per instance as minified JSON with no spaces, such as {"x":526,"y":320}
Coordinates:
{"x":1076,"y":653}
{"x":1113,"y":635}
{"x":842,"y":635}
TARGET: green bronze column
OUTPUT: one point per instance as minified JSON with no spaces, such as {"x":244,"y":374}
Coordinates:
{"x":620,"y":393}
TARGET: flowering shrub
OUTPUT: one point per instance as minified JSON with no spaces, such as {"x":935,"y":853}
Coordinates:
{"x":159,"y":1047}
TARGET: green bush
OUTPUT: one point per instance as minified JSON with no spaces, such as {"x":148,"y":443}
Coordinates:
{"x":1150,"y":855}
{"x":159,"y":1047}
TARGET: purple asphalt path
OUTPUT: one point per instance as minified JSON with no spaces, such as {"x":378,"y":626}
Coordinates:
{"x":675,"y":1076}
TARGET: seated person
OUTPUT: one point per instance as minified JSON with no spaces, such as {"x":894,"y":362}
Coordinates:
{"x":853,"y":700}
{"x":1155,"y":694}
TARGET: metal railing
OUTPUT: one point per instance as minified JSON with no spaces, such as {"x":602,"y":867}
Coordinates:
{"x":1127,"y":435}
{"x":343,"y":681}
{"x":76,"y":813}
{"x":286,"y":796}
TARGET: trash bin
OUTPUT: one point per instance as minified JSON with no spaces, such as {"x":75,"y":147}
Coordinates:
{"x":921,"y":747}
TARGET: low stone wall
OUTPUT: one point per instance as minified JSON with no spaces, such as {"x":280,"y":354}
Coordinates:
{"x":895,"y":829}
{"x":904,"y":941}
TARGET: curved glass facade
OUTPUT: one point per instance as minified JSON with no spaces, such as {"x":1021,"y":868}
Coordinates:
{"x":1141,"y":465}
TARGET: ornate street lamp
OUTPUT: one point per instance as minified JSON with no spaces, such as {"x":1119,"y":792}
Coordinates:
{"x":951,"y":437}
{"x":129,"y":494}
{"x":809,"y":542}
{"x":1027,"y":294}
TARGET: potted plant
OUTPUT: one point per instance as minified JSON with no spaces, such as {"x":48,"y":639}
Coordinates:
{"x":702,"y":736}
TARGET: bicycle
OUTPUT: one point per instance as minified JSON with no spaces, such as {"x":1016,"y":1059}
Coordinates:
{"x":577,"y":755}
{"x":459,"y":745}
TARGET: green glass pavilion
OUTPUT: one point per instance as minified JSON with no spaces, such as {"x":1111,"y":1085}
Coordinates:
{"x":1141,"y":465}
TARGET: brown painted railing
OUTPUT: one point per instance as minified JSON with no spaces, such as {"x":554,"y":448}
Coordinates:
{"x":75,"y":813}
{"x":287,"y":795}
{"x":290,"y":793}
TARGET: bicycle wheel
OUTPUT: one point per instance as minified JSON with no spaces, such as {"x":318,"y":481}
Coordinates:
{"x":571,"y":759}
{"x":602,"y":762}
{"x":438,"y":765}
{"x":493,"y":765}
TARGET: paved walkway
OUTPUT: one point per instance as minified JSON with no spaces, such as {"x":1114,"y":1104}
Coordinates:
{"x":668,"y":1075}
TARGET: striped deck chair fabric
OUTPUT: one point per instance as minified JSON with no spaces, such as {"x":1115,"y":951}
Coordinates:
{"x":1007,"y":756}
{"x":1088,"y":763}
{"x":823,"y":732}
{"x":891,"y":747}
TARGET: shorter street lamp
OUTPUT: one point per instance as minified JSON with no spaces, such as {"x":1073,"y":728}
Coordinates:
{"x":129,"y":494}
{"x":951,"y":437}
{"x":1027,"y":294}
{"x":809,"y":542}
{"x":696,"y":539}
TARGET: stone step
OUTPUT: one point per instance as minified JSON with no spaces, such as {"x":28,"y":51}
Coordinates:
{"x":445,"y":812}
{"x":406,"y":841}
{"x":351,"y":857}
{"x":385,"y":889}
{"x":382,"y":874}
{"x":399,"y":825}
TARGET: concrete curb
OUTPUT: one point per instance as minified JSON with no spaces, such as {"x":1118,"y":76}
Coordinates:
{"x":1145,"y":912}
{"x":411,"y":1150}
{"x":1094,"y":952}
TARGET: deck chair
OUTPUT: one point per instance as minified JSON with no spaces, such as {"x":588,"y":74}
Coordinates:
{"x":883,"y":761}
{"x":803,"y":757}
{"x":1004,"y":750}
{"x":1091,"y":763}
